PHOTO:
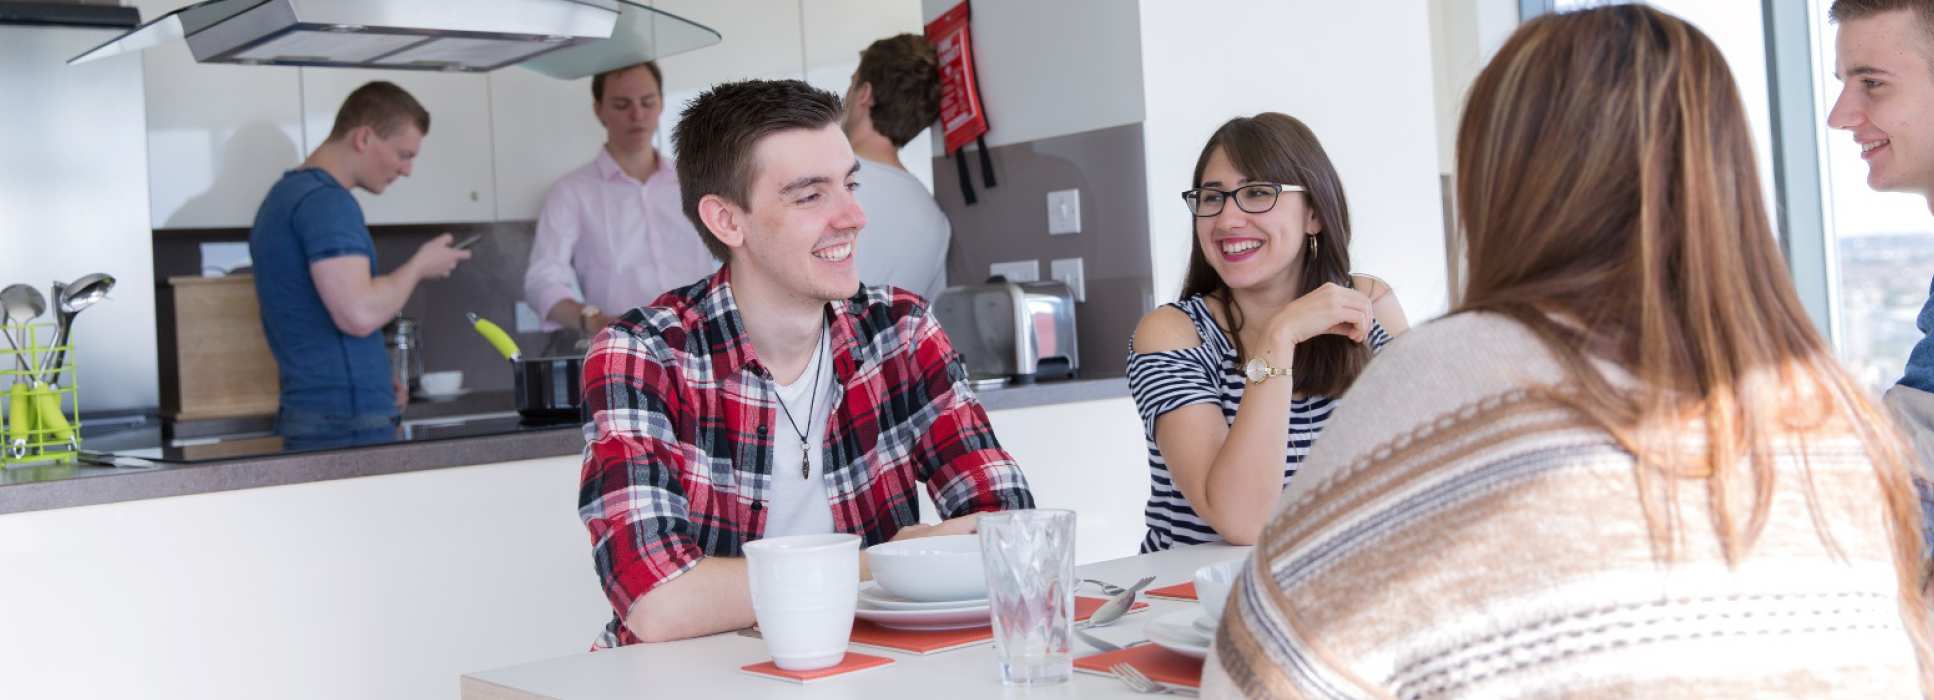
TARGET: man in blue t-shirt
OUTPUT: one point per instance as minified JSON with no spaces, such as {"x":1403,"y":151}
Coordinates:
{"x":315,"y":274}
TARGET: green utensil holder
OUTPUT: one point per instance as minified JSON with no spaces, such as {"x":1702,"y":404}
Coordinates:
{"x":42,"y":421}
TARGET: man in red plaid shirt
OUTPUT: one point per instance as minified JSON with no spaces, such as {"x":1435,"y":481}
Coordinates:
{"x":777,"y":396}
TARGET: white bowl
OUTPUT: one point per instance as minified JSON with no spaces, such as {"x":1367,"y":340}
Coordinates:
{"x":930,"y":569}
{"x":442,"y":383}
{"x":1212,"y":585}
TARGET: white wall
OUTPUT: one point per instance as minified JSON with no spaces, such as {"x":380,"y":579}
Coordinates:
{"x":1050,"y":69}
{"x":74,"y":200}
{"x":393,"y":586}
{"x":1359,"y":74}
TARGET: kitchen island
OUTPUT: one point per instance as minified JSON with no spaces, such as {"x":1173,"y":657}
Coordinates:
{"x":388,"y":571}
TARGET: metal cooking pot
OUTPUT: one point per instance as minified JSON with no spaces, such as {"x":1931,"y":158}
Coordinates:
{"x":547,"y":388}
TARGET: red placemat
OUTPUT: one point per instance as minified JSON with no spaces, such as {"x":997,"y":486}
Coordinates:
{"x":1160,"y":664}
{"x":1181,"y":591}
{"x":854,"y":661}
{"x":927,"y":642}
{"x":918,"y":642}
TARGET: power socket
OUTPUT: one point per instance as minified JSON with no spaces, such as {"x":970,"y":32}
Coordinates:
{"x":527,"y":319}
{"x":1017,"y":270}
{"x":1069,"y":272}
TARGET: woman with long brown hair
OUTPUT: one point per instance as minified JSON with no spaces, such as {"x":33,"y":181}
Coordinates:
{"x":1626,"y":465}
{"x":1235,"y":380}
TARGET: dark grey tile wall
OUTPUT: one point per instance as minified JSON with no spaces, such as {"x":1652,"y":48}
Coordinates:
{"x":490,"y":284}
{"x":1009,"y":222}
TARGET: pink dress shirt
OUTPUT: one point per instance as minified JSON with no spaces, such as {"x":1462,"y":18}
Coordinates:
{"x":621,"y":241}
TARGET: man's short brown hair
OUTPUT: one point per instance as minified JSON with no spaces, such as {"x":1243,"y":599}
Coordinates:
{"x":905,"y":75}
{"x":597,"y":81}
{"x":719,"y":130}
{"x":1844,"y":10}
{"x":382,"y":106}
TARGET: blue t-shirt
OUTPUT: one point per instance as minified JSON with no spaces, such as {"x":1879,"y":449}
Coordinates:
{"x":308,"y":217}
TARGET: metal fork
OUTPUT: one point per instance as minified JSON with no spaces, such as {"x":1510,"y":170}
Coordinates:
{"x":1133,"y":678}
{"x":1106,"y":587}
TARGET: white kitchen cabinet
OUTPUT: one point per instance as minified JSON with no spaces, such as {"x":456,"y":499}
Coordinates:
{"x":834,"y":33}
{"x":761,"y":40}
{"x":452,"y":180}
{"x":218,"y":135}
{"x":541,"y":128}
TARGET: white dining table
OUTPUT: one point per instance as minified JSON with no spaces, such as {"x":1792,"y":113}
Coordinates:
{"x":709,"y":666}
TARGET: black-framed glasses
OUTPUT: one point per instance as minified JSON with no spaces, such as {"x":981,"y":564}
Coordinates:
{"x":1255,"y":198}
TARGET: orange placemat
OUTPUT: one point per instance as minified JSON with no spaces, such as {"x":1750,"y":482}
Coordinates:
{"x":918,"y":642}
{"x":927,"y":642}
{"x":854,"y":661}
{"x":1155,"y":662}
{"x":1181,"y":591}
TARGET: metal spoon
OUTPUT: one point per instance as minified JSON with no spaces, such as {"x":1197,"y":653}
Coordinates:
{"x":1118,"y":606}
{"x":21,"y":304}
{"x":83,"y":292}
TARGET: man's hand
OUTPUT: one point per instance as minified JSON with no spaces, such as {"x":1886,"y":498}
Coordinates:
{"x":438,"y":258}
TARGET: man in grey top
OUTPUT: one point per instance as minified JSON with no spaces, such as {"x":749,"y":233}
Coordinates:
{"x":894,"y":96}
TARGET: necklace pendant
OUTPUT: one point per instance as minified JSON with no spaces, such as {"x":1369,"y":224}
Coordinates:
{"x":805,"y":462}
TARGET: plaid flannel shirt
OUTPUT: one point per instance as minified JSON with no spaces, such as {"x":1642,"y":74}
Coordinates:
{"x":679,"y":419}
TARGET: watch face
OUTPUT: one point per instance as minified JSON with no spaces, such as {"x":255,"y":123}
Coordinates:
{"x":1256,"y":370}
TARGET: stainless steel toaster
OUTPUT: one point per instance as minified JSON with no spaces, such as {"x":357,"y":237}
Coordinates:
{"x":1002,"y":329}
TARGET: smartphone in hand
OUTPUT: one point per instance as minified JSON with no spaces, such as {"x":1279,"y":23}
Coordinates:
{"x":468,"y":241}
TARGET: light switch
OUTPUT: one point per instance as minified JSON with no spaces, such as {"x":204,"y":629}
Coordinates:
{"x":1017,"y":270}
{"x":1064,"y":212}
{"x":1068,"y":272}
{"x":527,"y":319}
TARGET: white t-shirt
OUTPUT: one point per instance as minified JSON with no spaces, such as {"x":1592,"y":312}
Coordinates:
{"x":905,"y":240}
{"x":798,"y":504}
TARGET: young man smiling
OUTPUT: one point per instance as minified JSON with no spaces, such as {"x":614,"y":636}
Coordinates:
{"x":776,"y":396}
{"x":1884,"y":57}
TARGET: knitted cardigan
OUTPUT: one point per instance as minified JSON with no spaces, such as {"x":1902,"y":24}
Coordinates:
{"x":1459,"y":533}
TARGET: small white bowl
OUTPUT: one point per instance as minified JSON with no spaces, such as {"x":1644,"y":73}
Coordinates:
{"x":930,"y":569}
{"x":442,"y":383}
{"x":1212,"y":584}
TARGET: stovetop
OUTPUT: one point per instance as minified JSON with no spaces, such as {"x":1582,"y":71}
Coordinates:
{"x":148,"y":446}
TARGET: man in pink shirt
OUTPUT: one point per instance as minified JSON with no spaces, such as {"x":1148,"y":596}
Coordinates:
{"x":612,"y":235}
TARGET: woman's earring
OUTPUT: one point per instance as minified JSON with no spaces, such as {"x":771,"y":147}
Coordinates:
{"x":1312,"y":245}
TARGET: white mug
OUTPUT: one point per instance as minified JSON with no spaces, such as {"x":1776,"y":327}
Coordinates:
{"x":804,"y":589}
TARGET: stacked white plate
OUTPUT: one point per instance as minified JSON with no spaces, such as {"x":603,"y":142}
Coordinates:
{"x":1186,"y":632}
{"x":885,"y":609}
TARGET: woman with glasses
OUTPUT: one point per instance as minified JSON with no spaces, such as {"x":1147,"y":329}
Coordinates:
{"x":1235,"y":380}
{"x":1626,"y":465}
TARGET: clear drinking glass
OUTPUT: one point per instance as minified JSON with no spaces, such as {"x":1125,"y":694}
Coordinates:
{"x":1029,"y":557}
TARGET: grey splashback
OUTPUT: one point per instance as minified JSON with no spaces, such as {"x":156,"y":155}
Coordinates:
{"x":490,"y":284}
{"x":1009,"y":223}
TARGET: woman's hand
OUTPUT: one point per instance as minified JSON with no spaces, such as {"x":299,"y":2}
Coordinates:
{"x":1329,"y":309}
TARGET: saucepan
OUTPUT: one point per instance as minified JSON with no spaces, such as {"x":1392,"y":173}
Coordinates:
{"x":545,"y":389}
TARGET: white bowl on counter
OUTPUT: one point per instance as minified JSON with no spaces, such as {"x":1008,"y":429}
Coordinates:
{"x":443,"y":383}
{"x":930,"y":569}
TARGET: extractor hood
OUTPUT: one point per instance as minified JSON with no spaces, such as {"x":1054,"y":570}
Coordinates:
{"x":561,"y":38}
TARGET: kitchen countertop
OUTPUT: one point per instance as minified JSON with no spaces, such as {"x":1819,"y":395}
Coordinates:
{"x":84,"y":485}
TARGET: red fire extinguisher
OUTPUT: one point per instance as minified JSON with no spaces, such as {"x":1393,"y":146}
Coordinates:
{"x":962,"y":116}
